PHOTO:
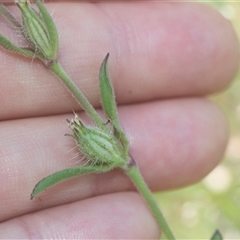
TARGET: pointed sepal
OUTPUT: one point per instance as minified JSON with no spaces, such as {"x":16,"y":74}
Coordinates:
{"x":50,"y":26}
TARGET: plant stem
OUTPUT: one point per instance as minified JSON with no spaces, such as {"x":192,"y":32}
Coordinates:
{"x":132,"y":169}
{"x":56,"y":68}
{"x":135,"y":175}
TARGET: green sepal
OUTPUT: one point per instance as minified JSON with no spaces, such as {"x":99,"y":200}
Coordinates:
{"x":109,"y":103}
{"x":217,"y":236}
{"x":65,"y":174}
{"x":50,"y":26}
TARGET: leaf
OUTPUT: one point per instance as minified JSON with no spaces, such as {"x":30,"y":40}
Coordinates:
{"x":66,"y":174}
{"x":4,"y":11}
{"x":109,"y":102}
{"x":217,"y":236}
{"x":8,"y":45}
{"x":107,"y":92}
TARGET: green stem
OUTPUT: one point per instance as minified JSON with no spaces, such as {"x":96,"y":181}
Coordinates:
{"x":58,"y":70}
{"x":135,"y":175}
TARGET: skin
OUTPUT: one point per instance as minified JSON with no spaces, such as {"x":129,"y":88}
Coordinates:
{"x":164,"y":58}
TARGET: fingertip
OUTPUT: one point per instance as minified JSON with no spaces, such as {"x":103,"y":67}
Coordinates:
{"x":184,"y":141}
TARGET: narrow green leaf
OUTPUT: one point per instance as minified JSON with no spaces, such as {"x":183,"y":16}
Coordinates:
{"x":109,"y":102}
{"x":107,"y":92}
{"x":66,"y":174}
{"x":50,"y":26}
{"x":5,"y":12}
{"x":8,"y":45}
{"x":217,"y":236}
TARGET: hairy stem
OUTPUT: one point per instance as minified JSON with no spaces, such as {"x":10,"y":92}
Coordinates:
{"x":135,"y":175}
{"x":56,"y":68}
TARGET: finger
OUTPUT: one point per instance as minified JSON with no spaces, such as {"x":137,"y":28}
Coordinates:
{"x":157,"y":50}
{"x":175,"y":143}
{"x":113,"y":216}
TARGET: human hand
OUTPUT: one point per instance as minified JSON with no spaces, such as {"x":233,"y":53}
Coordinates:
{"x":164,"y":58}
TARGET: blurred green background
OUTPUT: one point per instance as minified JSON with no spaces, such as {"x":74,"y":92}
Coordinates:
{"x":196,"y":211}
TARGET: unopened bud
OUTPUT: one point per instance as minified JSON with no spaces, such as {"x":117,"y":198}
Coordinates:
{"x":39,"y":31}
{"x":99,"y":146}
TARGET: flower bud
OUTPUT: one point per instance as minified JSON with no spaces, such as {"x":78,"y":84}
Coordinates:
{"x":39,"y":30}
{"x":99,"y":146}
